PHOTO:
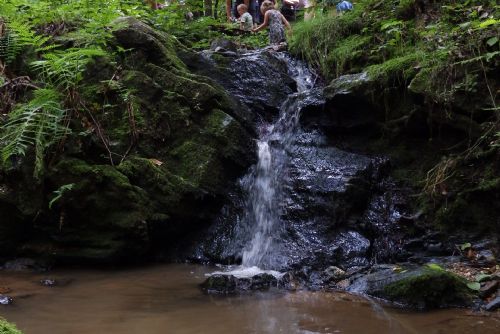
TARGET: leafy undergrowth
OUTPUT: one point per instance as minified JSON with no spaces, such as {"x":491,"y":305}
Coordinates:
{"x":46,"y":47}
{"x":8,"y":328}
{"x":436,"y":34}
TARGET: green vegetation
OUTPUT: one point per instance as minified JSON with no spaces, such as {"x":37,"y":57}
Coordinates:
{"x":377,"y":31}
{"x":48,"y":46}
{"x":8,"y":328}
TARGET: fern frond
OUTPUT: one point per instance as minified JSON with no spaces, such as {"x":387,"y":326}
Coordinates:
{"x":65,"y":69}
{"x":19,"y":35}
{"x":38,"y":123}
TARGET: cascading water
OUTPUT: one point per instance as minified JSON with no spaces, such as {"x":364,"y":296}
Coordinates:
{"x":266,"y":189}
{"x":298,"y":208}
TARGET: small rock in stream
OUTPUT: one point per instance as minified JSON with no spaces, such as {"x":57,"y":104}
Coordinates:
{"x":493,"y":305}
{"x":48,"y":282}
{"x":228,"y":284}
{"x":5,"y":300}
{"x":52,"y":282}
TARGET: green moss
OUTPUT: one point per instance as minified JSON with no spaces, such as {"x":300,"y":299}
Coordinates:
{"x":429,"y":288}
{"x":81,"y":173}
{"x":402,"y":68}
{"x":195,"y":162}
{"x":164,"y":186}
{"x":8,"y":328}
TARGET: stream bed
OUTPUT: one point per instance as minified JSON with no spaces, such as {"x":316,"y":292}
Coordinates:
{"x":167,"y":299}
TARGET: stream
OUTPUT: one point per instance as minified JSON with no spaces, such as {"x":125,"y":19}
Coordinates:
{"x":167,"y":299}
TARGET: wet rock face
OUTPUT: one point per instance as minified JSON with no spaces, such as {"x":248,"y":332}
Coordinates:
{"x":260,"y":80}
{"x":11,"y":226}
{"x":331,"y":211}
{"x":349,"y":103}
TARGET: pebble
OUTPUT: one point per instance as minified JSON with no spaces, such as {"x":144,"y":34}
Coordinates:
{"x":335,"y":273}
{"x":5,"y":300}
{"x":48,"y":282}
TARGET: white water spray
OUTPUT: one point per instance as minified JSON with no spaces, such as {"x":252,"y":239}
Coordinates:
{"x":265,"y":192}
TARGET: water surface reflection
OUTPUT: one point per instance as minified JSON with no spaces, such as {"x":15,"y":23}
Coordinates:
{"x":166,"y":299}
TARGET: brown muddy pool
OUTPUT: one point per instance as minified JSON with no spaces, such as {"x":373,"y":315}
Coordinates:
{"x":166,"y":299}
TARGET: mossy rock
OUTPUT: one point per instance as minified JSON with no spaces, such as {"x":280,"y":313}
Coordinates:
{"x":427,"y":288}
{"x":157,"y":47}
{"x":424,"y":287}
{"x":102,"y":218}
{"x":8,"y":328}
{"x":175,"y":146}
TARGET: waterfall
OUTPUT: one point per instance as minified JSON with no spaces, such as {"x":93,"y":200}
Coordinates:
{"x":269,"y":178}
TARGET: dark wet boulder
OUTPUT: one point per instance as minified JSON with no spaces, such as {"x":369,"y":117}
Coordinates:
{"x":228,"y":284}
{"x":220,"y":284}
{"x":349,"y":102}
{"x":424,"y":287}
{"x":221,"y":44}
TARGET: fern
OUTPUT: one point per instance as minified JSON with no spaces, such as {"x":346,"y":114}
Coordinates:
{"x":37,"y":123}
{"x":64,"y":70}
{"x":18,"y":36}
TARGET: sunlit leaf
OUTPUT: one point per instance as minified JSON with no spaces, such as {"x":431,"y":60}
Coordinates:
{"x":492,"y":41}
{"x":474,"y":286}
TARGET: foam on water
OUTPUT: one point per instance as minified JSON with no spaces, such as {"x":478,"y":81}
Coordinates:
{"x":247,"y":272}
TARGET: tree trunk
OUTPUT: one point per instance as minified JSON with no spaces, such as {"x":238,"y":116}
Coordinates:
{"x":216,"y":9}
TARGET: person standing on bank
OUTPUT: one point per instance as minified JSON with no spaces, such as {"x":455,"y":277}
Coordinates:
{"x":276,"y":22}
